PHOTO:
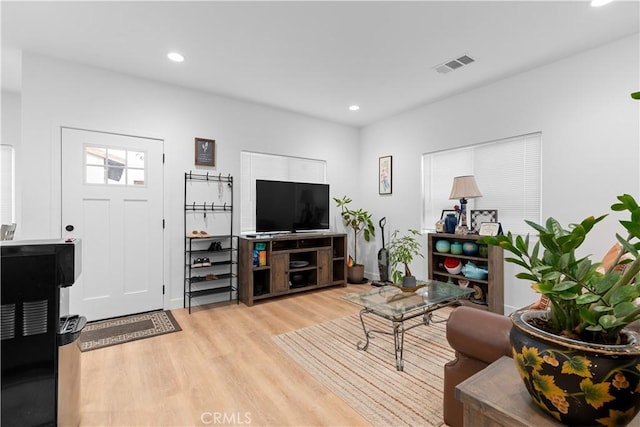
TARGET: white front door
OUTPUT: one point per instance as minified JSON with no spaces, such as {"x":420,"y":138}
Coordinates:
{"x":112,"y":193}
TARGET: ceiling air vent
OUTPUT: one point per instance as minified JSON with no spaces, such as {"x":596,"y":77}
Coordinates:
{"x":454,"y":64}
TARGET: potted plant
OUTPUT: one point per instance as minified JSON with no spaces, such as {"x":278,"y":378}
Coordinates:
{"x":402,"y":250}
{"x":578,"y":361}
{"x":359,"y":221}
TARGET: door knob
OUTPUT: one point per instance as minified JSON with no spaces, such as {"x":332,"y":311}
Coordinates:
{"x":69,"y":227}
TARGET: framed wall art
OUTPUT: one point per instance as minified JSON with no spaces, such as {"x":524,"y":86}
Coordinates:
{"x":480,"y":216}
{"x":205,"y":150}
{"x":384,"y":175}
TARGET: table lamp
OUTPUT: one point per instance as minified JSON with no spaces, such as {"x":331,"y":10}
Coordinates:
{"x":464,"y":187}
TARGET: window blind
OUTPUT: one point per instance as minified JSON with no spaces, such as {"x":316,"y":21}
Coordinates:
{"x":507,"y":172}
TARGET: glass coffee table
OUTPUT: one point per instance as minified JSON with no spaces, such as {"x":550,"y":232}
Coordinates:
{"x":399,"y":305}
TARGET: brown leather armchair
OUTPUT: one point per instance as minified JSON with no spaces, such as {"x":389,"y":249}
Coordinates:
{"x":479,"y":338}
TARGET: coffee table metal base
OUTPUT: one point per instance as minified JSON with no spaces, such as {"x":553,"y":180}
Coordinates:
{"x":398,"y":329}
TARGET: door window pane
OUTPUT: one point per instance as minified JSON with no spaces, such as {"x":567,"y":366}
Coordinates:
{"x":94,"y":175}
{"x":95,"y":155}
{"x":116,"y":157}
{"x":115,"y":175}
{"x":135,"y":177}
{"x":114,"y":166}
{"x":135,"y":159}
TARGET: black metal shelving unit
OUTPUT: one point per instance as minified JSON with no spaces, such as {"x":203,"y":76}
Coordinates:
{"x":219,"y":275}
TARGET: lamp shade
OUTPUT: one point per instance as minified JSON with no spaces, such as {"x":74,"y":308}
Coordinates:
{"x":464,"y":187}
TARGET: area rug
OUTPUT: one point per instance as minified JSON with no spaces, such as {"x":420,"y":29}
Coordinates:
{"x":368,"y":380}
{"x":105,"y":333}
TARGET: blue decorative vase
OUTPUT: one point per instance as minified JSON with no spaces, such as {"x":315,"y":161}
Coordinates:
{"x":469,"y":248}
{"x":443,"y":246}
{"x":450,"y":223}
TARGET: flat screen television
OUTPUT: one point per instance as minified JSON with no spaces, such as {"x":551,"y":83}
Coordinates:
{"x":284,"y":206}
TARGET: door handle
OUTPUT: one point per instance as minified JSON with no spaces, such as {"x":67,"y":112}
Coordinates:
{"x":69,"y":227}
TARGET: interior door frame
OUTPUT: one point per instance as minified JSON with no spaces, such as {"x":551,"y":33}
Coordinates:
{"x":56,"y":188}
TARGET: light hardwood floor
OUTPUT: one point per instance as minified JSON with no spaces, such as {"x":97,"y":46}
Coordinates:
{"x":223,"y":368}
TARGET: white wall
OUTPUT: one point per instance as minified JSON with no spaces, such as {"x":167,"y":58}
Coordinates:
{"x":10,"y":118}
{"x":581,"y":105}
{"x":57,"y":93}
{"x":590,"y":143}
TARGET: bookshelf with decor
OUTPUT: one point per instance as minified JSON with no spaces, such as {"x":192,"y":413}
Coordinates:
{"x":458,"y":259}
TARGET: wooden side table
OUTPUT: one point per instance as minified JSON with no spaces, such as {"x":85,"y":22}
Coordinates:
{"x":496,"y":397}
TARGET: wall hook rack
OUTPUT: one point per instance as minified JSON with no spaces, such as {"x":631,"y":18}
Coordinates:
{"x":219,"y":274}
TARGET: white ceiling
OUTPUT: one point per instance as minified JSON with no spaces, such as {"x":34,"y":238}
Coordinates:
{"x":314,"y":58}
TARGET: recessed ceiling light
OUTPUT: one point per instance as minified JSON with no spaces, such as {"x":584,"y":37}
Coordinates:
{"x":354,"y":107}
{"x":598,"y":3}
{"x":175,"y":57}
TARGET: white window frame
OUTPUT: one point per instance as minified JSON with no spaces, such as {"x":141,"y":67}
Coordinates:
{"x":508,"y":174}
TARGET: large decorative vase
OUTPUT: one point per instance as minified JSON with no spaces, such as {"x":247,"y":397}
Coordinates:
{"x":355,"y":274}
{"x":577,"y":383}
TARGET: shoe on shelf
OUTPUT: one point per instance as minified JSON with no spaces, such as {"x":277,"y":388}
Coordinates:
{"x":197,"y":263}
{"x":211,"y":277}
{"x":215,"y":246}
{"x":205,"y":262}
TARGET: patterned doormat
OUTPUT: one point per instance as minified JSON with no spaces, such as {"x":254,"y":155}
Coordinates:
{"x":119,"y":330}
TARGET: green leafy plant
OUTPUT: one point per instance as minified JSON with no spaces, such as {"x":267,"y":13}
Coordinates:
{"x":358,"y":219}
{"x":402,"y":250}
{"x":586,"y":304}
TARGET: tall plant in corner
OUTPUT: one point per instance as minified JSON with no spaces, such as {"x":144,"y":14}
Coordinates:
{"x":358,"y":220}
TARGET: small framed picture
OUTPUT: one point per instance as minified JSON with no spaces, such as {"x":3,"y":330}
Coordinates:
{"x":205,"y":152}
{"x":384,"y":175}
{"x":480,"y":216}
{"x":489,"y":229}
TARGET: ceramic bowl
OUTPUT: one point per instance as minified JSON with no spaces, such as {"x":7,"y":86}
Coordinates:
{"x":452,"y":265}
